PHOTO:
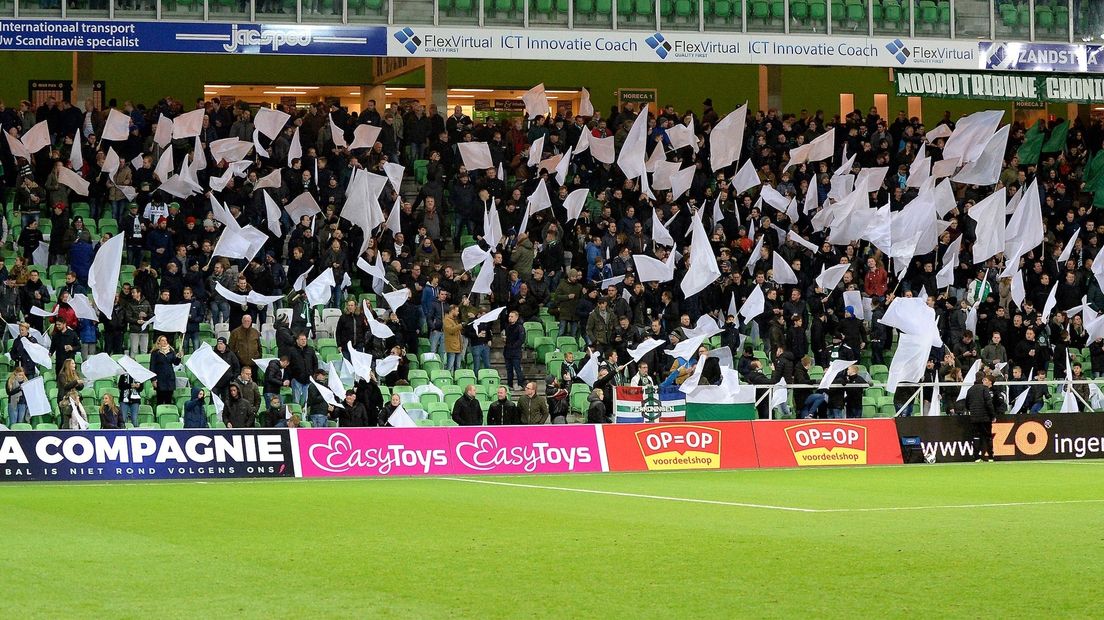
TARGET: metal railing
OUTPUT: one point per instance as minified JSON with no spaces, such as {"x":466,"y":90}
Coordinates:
{"x":1032,"y":20}
{"x":916,"y":389}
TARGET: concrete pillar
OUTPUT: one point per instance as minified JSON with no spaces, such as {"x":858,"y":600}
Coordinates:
{"x":436,"y":83}
{"x":373,"y":92}
{"x":82,"y":79}
{"x":770,"y":87}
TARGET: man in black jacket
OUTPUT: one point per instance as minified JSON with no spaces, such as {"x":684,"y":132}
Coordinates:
{"x":515,"y":339}
{"x":502,"y":410}
{"x":64,"y":343}
{"x":276,"y":377}
{"x":466,"y":410}
{"x":354,"y":413}
{"x":856,"y":387}
{"x":302,"y":363}
{"x":757,"y":377}
{"x":979,"y":402}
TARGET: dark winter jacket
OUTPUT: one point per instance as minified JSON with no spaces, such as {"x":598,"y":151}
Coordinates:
{"x":195,"y":416}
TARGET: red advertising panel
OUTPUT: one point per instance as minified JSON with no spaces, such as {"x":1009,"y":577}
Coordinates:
{"x":810,"y":443}
{"x":642,"y":447}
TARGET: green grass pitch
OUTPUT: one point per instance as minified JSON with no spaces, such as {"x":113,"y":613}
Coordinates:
{"x":1003,"y":540}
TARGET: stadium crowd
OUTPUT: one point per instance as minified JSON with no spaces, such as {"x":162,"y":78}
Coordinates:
{"x":548,"y":268}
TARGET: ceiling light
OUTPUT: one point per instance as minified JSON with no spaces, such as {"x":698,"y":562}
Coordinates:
{"x":355,"y":93}
{"x":284,"y":92}
{"x":461,"y":96}
{"x":297,"y":88}
{"x":471,"y":90}
{"x":551,"y":97}
{"x":396,"y":88}
{"x":388,"y":94}
{"x":214,"y":92}
{"x":216,"y":86}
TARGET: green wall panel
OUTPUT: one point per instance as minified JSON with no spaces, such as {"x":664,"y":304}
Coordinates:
{"x":149,"y":77}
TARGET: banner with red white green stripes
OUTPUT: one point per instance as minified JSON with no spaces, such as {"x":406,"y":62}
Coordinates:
{"x":650,"y":404}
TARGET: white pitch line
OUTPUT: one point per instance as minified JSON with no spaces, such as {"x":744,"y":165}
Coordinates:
{"x":689,"y":500}
{"x":965,"y":506}
{"x":692,"y":500}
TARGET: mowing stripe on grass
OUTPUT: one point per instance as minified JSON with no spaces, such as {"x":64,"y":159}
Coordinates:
{"x":689,"y":500}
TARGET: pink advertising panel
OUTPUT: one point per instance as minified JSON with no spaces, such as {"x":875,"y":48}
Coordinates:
{"x":524,"y":449}
{"x":327,"y":452}
{"x":448,"y":451}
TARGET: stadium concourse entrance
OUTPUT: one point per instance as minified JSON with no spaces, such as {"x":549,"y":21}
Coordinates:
{"x":477,"y":102}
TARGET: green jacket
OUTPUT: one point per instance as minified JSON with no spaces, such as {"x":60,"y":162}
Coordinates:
{"x":564,"y":307}
{"x":532,"y":410}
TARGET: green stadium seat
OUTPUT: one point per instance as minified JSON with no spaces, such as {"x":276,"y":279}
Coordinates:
{"x":417,"y":377}
{"x":46,"y":426}
{"x":799,"y":11}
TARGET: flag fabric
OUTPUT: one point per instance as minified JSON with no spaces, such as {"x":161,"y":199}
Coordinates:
{"x":1094,"y":170}
{"x":207,"y":366}
{"x":1032,"y":145}
{"x":103,"y":278}
{"x":1056,"y":143}
{"x":648,"y":405}
{"x":586,"y":108}
{"x":971,"y":134}
{"x":703,"y":263}
{"x":726,"y":140}
{"x":116,"y":127}
{"x":536,"y":102}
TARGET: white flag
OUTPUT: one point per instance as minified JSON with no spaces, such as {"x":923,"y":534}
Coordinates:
{"x":76,"y":155}
{"x":726,"y":139}
{"x":171,"y":318}
{"x":746,"y":178}
{"x":754,"y":305}
{"x":783,"y":273}
{"x":319,"y":290}
{"x":188,"y":125}
{"x":163,"y":135}
{"x":833,"y":369}
{"x":99,"y":366}
{"x":34,"y":392}
{"x":476,"y":155}
{"x":829,"y":278}
{"x":116,"y":127}
{"x":536,"y":102}
{"x":103,"y":277}
{"x":73,"y":181}
{"x":602,"y":149}
{"x":270,"y":122}
{"x":138,"y":372}
{"x":634,"y":148}
{"x":295,"y":149}
{"x":207,"y":366}
{"x":586,"y":108}
{"x":703,"y":263}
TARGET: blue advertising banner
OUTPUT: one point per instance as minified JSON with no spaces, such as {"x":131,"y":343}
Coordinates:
{"x":1042,"y":57}
{"x":190,"y":37}
{"x":145,"y":455}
